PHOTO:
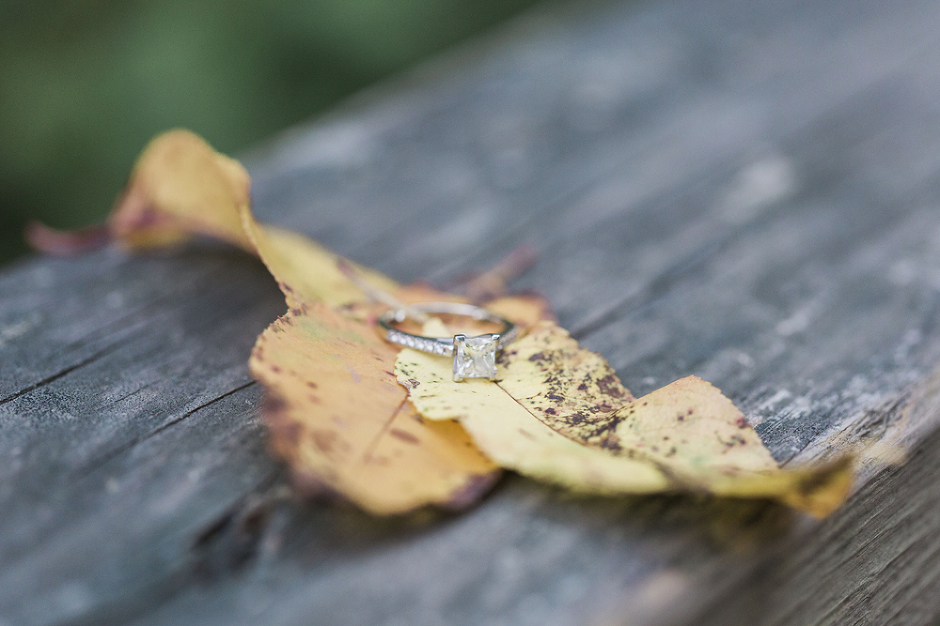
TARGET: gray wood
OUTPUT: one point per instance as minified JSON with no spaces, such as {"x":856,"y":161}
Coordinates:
{"x":747,"y":191}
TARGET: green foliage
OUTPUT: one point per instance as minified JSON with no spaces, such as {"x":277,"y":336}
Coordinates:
{"x":84,"y":84}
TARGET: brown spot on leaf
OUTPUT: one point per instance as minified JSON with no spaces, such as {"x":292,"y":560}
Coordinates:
{"x":323,"y":439}
{"x":274,"y":404}
{"x":285,"y":430}
{"x":403,"y":436}
{"x":577,"y":418}
{"x":610,"y":386}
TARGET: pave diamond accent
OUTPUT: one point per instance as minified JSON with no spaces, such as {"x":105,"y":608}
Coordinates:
{"x":443,"y":347}
{"x":475,"y":357}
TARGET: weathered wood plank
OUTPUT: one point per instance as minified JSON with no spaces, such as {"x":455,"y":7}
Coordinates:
{"x":97,"y":464}
{"x":747,"y":191}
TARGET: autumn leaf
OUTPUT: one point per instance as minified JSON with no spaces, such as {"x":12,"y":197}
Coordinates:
{"x":344,"y":426}
{"x":558,"y":412}
{"x":181,"y":187}
{"x":337,"y":405}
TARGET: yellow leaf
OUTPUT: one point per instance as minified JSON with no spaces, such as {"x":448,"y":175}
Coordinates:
{"x":344,"y":426}
{"x":181,"y":187}
{"x":690,"y":426}
{"x":507,"y":429}
{"x":558,"y":412}
{"x":573,"y":390}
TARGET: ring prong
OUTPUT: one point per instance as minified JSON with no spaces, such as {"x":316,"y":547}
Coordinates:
{"x":459,"y":342}
{"x":496,"y":337}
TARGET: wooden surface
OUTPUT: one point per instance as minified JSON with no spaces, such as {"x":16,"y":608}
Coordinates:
{"x":744,"y":190}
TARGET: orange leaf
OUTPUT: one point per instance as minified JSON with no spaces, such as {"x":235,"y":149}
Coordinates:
{"x":343,"y":425}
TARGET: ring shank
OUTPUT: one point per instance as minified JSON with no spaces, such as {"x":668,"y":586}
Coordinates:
{"x":443,"y":346}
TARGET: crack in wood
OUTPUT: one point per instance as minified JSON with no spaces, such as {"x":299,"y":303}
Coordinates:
{"x":96,"y":463}
{"x":66,"y":371}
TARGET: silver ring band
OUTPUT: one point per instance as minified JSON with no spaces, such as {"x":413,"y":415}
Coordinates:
{"x":474,"y":357}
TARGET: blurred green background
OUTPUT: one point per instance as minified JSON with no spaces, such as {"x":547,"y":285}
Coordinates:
{"x":85,"y":83}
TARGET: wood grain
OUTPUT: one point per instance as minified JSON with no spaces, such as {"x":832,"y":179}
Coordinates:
{"x":746,"y":191}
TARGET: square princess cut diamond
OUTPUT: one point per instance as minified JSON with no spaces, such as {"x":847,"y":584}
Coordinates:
{"x":475,"y":357}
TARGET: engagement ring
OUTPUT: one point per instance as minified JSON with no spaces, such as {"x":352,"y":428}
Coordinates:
{"x":474,"y":357}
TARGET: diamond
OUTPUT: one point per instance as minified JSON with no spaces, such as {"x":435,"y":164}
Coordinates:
{"x":475,"y":357}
